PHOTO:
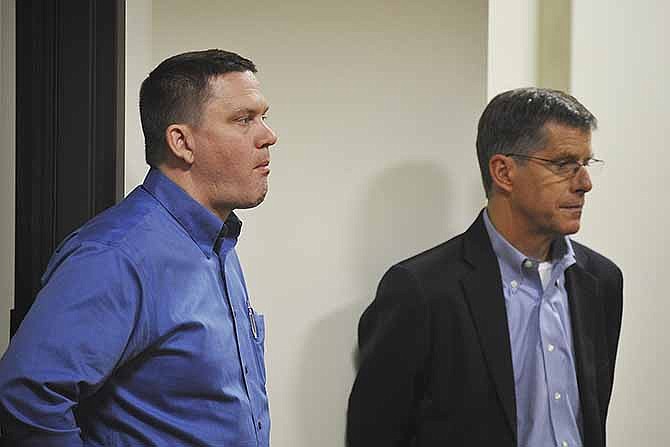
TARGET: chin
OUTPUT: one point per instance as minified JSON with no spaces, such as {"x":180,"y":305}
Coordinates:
{"x":252,"y":202}
{"x":570,"y":228}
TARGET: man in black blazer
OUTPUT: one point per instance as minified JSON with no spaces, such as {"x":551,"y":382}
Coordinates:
{"x":507,"y":334}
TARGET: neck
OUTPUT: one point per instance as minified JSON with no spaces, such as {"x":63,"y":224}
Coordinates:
{"x":517,"y":231}
{"x":185,"y":181}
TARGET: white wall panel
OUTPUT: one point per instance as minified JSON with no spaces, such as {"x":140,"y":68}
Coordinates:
{"x":620,"y":69}
{"x":7,"y":167}
{"x":513,"y":41}
{"x":138,"y":65}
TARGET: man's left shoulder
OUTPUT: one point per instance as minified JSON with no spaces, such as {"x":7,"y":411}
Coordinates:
{"x":595,"y":263}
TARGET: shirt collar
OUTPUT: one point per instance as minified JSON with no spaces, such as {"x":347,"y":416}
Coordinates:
{"x":204,"y":227}
{"x":512,"y":260}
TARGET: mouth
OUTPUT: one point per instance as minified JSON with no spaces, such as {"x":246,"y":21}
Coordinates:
{"x":263,"y":167}
{"x":575,"y":208}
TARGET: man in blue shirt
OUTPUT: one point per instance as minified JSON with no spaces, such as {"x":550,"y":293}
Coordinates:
{"x":143,"y":333}
{"x":507,"y":334}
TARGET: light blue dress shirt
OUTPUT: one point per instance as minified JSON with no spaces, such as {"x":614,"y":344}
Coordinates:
{"x":142,"y":335}
{"x":545,"y":380}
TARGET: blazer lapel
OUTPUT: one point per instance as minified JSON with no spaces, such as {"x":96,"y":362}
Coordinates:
{"x":582,"y":288}
{"x":483,"y":291}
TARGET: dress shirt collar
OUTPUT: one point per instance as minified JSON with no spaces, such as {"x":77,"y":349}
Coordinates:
{"x":206,"y":229}
{"x":513,"y":262}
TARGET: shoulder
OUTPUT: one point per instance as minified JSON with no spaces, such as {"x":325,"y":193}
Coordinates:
{"x":439,"y":254}
{"x":132,"y":219}
{"x":134,"y":225}
{"x":595,"y":263}
{"x":432,"y":266}
{"x":129,"y":231}
{"x":455,"y":257}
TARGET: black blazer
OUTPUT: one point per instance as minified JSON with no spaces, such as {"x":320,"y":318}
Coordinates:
{"x":435,"y":356}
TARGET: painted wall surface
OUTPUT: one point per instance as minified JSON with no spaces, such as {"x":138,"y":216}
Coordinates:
{"x":138,"y":66}
{"x":528,"y":44}
{"x":513,"y":42}
{"x":7,"y":167}
{"x":554,"y":21}
{"x":376,"y":105}
{"x":620,"y":69}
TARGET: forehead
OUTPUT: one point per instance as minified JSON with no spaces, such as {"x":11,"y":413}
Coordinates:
{"x":236,"y":90}
{"x":563,"y":140}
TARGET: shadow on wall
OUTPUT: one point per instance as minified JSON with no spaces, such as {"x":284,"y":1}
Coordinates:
{"x":403,"y":212}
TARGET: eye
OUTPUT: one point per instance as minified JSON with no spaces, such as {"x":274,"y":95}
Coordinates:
{"x":562,"y":164}
{"x":566,"y":166}
{"x":244,"y":120}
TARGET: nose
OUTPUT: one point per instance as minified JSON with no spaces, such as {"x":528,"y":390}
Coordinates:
{"x":582,"y":180}
{"x":267,"y":136}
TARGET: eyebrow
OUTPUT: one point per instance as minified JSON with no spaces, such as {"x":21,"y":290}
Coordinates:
{"x":567,"y":156}
{"x":250,"y":111}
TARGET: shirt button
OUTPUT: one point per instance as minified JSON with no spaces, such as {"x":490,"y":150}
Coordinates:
{"x":259,"y":425}
{"x":557,"y":396}
{"x":550,"y":348}
{"x":246,"y":369}
{"x":564,"y":444}
{"x":528,"y":264}
{"x":514,"y":284}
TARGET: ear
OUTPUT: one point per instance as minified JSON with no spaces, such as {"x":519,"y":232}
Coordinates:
{"x":180,"y":141}
{"x":502,"y":170}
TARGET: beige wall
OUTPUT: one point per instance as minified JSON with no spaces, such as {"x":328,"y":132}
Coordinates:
{"x":529,"y":44}
{"x":376,"y":105}
{"x":554,"y":22}
{"x":139,"y":63}
{"x":620,"y":69}
{"x":7,"y":169}
{"x":513,"y":43}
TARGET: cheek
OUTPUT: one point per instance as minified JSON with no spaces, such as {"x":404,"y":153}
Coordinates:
{"x":541,"y":204}
{"x":224,"y":157}
{"x":535,"y":197}
{"x":549,"y":195}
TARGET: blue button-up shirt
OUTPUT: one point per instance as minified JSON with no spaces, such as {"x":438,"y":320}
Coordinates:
{"x":142,"y":335}
{"x":538,"y":318}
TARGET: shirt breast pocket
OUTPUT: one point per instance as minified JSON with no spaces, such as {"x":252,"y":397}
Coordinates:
{"x":259,"y":344}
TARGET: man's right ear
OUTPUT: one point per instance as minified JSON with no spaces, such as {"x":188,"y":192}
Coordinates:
{"x":502,"y":171}
{"x":180,"y":141}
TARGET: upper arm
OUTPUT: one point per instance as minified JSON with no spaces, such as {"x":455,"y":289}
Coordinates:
{"x":73,"y":337}
{"x":614,"y":306}
{"x":393,"y":343}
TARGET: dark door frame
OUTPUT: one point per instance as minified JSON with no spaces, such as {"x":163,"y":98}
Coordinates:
{"x":70,"y":57}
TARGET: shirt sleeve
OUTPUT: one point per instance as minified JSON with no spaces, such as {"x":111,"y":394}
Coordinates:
{"x":74,"y":336}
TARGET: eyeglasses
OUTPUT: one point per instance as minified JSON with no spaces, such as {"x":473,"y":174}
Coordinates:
{"x":566,"y":167}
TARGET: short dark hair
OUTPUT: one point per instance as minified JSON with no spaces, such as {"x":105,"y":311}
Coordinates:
{"x":513,"y":122}
{"x":176,"y":90}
